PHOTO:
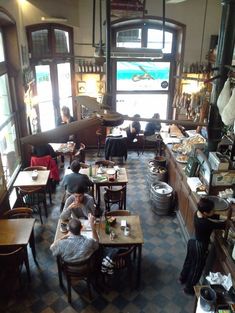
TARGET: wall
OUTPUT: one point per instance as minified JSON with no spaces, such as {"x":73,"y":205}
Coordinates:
{"x":79,"y":15}
{"x":191,"y":13}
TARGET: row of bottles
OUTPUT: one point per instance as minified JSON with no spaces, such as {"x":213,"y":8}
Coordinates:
{"x":197,"y":68}
{"x":89,"y":67}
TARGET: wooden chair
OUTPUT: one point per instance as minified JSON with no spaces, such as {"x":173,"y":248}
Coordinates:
{"x":101,"y":136}
{"x":118,"y":213}
{"x":22,"y":212}
{"x":84,"y":165}
{"x":33,"y":197}
{"x":33,"y":168}
{"x":105,"y":163}
{"x":114,"y":196}
{"x":122,"y":262}
{"x":12,"y":260}
{"x":76,"y":271}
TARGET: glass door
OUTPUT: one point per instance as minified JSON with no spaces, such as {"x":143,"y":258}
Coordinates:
{"x":44,"y":94}
{"x":54,"y":90}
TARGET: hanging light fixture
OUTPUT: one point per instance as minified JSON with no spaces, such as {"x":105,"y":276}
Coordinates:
{"x":99,"y":52}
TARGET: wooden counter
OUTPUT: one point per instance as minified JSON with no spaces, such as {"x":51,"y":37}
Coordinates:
{"x":186,"y":200}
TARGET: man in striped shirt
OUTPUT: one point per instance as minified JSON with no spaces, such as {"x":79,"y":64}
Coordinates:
{"x":74,"y":247}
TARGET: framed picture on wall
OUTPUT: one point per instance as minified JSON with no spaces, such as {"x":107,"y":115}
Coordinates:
{"x":81,"y":85}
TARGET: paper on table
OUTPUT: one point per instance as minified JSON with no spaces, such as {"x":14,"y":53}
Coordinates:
{"x":194,"y":183}
{"x":168,"y":140}
{"x":219,"y":279}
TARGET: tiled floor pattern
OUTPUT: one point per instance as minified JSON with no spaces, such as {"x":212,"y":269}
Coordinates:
{"x":162,"y":257}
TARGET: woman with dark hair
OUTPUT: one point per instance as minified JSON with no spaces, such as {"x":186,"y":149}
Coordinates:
{"x":205,"y":221}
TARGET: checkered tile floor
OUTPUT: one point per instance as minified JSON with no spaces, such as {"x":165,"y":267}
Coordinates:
{"x":162,"y":257}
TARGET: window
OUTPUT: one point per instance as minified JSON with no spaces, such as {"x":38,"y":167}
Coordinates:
{"x":129,"y":38}
{"x":52,"y":59}
{"x":143,"y":82}
{"x":9,"y":151}
{"x":142,"y":75}
{"x":155,"y":37}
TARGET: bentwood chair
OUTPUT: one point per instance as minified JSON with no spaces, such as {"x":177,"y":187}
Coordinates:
{"x":34,"y":198}
{"x":118,"y":213}
{"x":85,"y":270}
{"x":12,"y":261}
{"x":22,"y":212}
{"x":105,"y":163}
{"x":123,"y":264}
{"x":101,"y":136}
{"x":114,"y":198}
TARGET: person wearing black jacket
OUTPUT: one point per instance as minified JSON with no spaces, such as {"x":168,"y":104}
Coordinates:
{"x":205,"y":221}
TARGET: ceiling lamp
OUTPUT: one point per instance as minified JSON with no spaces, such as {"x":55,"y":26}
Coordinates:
{"x":99,"y":52}
{"x":54,"y":19}
{"x":174,"y":1}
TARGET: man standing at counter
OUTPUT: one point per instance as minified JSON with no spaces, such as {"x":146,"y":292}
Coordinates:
{"x":205,"y":221}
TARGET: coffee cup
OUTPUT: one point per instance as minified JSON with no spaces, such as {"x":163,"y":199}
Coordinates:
{"x":126,"y":231}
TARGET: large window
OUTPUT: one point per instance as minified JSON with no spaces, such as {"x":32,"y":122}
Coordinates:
{"x":52,"y":60}
{"x":9,"y":152}
{"x":143,"y":74}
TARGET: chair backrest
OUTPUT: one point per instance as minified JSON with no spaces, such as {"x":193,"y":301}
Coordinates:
{"x":11,"y":256}
{"x":114,"y":196}
{"x":118,"y":213}
{"x":123,"y":258}
{"x":21,"y":212}
{"x":31,"y":195}
{"x":105,"y":163}
{"x":49,"y":163}
{"x":38,"y":168}
{"x":84,"y":165}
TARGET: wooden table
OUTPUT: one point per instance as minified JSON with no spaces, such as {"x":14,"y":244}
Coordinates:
{"x":68,"y":148}
{"x":135,"y":238}
{"x":18,"y":232}
{"x":24,"y":179}
{"x":121,"y":180}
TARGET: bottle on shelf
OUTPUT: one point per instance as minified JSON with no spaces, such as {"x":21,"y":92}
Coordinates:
{"x":83,"y":67}
{"x":90,"y":170}
{"x":90,"y":67}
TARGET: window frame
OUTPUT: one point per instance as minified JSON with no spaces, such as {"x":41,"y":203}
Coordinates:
{"x":154,"y":23}
{"x":51,"y":41}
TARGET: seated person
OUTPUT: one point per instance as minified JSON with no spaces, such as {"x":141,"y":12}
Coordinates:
{"x":153,"y":127}
{"x":133,"y":129}
{"x":80,"y":155}
{"x":75,"y":180}
{"x":78,"y":205}
{"x":42,"y":150}
{"x":65,"y":118}
{"x":74,"y":247}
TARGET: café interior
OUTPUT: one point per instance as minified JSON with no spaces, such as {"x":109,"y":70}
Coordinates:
{"x":177,"y":59}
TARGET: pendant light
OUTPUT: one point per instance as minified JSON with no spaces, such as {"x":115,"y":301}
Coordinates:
{"x":99,"y":52}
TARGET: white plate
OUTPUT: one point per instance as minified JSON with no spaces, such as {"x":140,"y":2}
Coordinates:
{"x":181,"y":161}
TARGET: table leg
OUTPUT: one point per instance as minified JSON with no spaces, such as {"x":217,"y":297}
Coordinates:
{"x":26,"y":261}
{"x":98,"y":195}
{"x":124,"y":202}
{"x":139,"y":247}
{"x":32,"y":246}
